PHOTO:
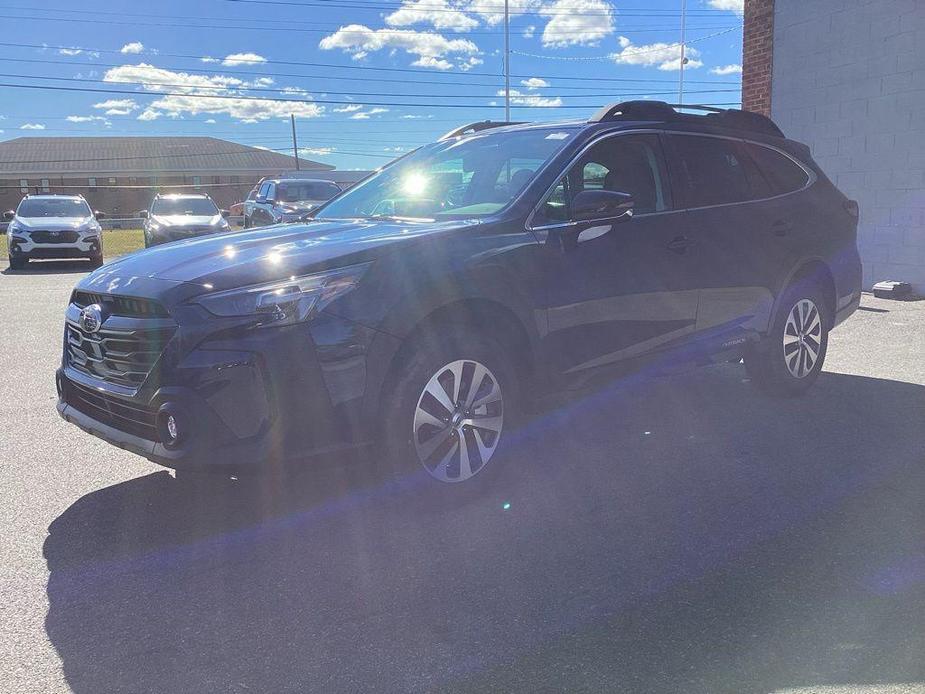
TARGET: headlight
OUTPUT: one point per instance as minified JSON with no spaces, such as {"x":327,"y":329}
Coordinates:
{"x":287,"y":301}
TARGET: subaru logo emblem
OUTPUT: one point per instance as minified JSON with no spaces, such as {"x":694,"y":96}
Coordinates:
{"x":91,"y":317}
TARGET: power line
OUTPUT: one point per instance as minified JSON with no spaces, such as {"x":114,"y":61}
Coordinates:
{"x":258,"y":24}
{"x":449,"y":75}
{"x":199,"y":88}
{"x":227,"y":97}
{"x":358,"y":4}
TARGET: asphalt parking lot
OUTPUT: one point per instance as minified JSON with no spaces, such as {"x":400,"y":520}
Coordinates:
{"x":678,"y":534}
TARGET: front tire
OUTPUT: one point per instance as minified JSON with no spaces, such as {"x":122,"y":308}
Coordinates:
{"x":450,"y":406}
{"x":96,"y":260}
{"x":789,"y":359}
{"x":18,"y":263}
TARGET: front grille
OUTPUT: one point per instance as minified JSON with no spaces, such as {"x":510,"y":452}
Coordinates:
{"x":128,"y":343}
{"x":119,"y":414}
{"x":55,"y":236}
{"x":120,"y":305}
{"x":117,"y":356}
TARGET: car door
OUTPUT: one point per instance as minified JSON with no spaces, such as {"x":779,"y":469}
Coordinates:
{"x":615,"y":288}
{"x":261,"y":216}
{"x":721,"y":190}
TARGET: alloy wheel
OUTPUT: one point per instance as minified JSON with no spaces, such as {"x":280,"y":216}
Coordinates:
{"x":458,"y":420}
{"x":802,"y":338}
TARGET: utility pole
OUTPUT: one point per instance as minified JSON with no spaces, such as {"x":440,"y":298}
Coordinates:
{"x":507,"y":64}
{"x":295,"y":144}
{"x":683,"y":58}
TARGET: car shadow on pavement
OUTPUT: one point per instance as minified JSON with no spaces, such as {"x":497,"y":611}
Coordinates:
{"x":51,"y":267}
{"x":681,"y":535}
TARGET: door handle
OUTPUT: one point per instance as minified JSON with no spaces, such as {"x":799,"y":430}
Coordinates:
{"x":680,"y":244}
{"x":781,"y":227}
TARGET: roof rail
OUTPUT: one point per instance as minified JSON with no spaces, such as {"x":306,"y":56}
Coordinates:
{"x":659,"y":110}
{"x":476,"y":127}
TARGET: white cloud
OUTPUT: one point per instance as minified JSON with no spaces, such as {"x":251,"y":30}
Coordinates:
{"x":737,"y":6}
{"x":133,"y":47}
{"x":316,"y":151}
{"x":577,"y":22}
{"x":534,"y":83}
{"x":209,"y":59}
{"x":438,"y":13}
{"x":431,"y":49}
{"x":733,"y":69}
{"x":350,"y":108}
{"x":210,"y":121}
{"x":117,"y":107}
{"x":665,"y":56}
{"x":529,"y":31}
{"x":521,"y":99}
{"x":492,"y":11}
{"x":88,"y":119}
{"x":243,"y":59}
{"x":365,"y":115}
{"x":218,"y":91}
{"x":70,"y":51}
{"x":32,"y":126}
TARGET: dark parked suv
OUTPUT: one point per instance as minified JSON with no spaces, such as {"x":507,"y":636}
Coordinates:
{"x":429,"y":304}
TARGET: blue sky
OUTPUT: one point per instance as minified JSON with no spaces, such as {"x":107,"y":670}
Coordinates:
{"x":366,"y":79}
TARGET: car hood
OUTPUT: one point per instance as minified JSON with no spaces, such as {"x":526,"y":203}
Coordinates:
{"x":241,"y":258}
{"x":58,"y":223}
{"x":186,"y":220}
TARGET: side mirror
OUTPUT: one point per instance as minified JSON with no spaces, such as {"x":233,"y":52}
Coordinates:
{"x":99,"y":215}
{"x":601,"y":204}
{"x":260,"y":200}
{"x":143,"y":214}
{"x":8,"y":216}
{"x":226,"y":213}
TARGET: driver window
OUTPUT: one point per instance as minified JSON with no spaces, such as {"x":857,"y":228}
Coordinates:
{"x":626,"y":164}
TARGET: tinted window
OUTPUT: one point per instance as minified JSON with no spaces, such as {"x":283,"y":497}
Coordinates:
{"x":199,"y":207}
{"x":626,"y":164}
{"x":53,"y":207}
{"x":556,"y":209}
{"x":780,"y":172}
{"x":711,"y":171}
{"x":294,"y":191}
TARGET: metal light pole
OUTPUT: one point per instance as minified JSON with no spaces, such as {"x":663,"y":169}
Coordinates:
{"x":295,"y":144}
{"x":683,"y":59}
{"x":507,"y":64}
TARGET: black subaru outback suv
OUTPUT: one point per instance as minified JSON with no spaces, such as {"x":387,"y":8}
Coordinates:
{"x":427,"y":305}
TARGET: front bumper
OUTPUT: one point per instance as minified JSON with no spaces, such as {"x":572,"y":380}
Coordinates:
{"x":245,"y":403}
{"x":25,"y":247}
{"x":168,"y":234}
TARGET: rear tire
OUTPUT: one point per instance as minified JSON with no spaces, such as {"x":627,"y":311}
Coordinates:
{"x":453,"y":399}
{"x":18,"y":263}
{"x":789,"y":359}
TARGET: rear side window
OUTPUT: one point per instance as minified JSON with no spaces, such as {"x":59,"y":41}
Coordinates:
{"x":711,"y":170}
{"x":780,"y":172}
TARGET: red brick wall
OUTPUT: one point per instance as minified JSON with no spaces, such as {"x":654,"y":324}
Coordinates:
{"x":757,"y":55}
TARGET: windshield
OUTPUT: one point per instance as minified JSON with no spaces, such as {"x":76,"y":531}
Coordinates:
{"x":296,"y":191}
{"x":199,"y":207}
{"x":54,"y":207}
{"x":472,"y":177}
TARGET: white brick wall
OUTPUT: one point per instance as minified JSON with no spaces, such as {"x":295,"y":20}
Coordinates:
{"x":849,"y":81}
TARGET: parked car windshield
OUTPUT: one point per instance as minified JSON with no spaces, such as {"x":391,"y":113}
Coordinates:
{"x":294,"y":191}
{"x":53,"y":207}
{"x":467,"y":176}
{"x":199,"y":207}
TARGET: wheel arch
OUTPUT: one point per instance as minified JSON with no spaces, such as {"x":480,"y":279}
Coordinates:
{"x":478,"y":313}
{"x":816,"y":272}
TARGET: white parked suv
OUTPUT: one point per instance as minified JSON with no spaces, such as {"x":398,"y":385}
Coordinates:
{"x":53,"y":226}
